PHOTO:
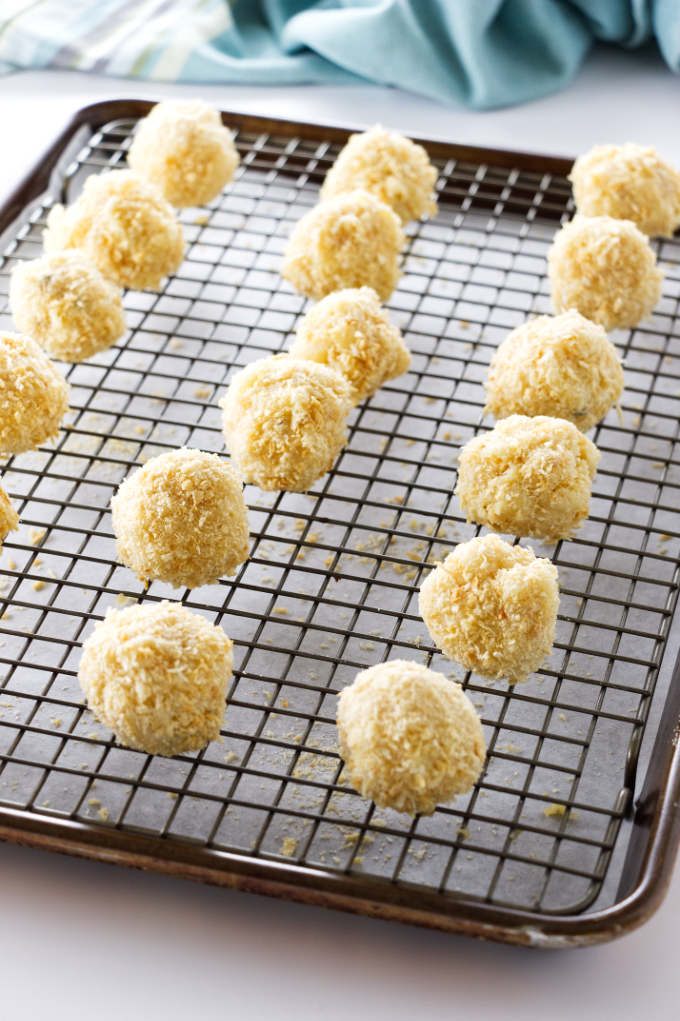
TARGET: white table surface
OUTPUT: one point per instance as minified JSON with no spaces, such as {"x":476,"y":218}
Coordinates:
{"x":80,"y":939}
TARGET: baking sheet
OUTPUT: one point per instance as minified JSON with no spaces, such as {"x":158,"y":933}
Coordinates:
{"x":331,"y":584}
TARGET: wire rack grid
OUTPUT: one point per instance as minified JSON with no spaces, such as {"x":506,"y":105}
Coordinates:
{"x":332,"y":581}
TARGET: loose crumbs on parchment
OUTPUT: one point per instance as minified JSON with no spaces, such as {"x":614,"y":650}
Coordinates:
{"x":556,"y":809}
{"x":289,"y":847}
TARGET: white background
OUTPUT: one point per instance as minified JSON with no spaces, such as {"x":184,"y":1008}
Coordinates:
{"x":80,"y":939}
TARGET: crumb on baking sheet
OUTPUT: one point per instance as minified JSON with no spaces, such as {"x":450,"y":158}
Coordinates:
{"x":289,"y":847}
{"x":556,"y":809}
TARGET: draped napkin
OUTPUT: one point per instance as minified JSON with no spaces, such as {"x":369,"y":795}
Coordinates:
{"x":476,"y":53}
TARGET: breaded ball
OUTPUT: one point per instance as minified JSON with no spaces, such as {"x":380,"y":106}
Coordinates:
{"x":395,"y":169}
{"x":628,"y":182}
{"x":528,"y":476}
{"x":562,"y":366}
{"x":492,"y":607}
{"x":183,"y":148}
{"x":33,"y":395}
{"x":410,"y":738}
{"x":63,"y":301}
{"x":124,"y":226}
{"x":284,"y":421}
{"x":349,"y":330}
{"x":351,"y":240}
{"x":9,"y":519}
{"x":157,"y":675}
{"x":605,"y":269}
{"x":181,"y":519}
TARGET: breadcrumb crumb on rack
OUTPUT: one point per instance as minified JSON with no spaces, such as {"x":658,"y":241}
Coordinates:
{"x":289,"y":847}
{"x":558,"y":810}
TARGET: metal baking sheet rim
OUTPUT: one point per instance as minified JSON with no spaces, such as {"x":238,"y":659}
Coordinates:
{"x":389,"y":903}
{"x":655,"y":832}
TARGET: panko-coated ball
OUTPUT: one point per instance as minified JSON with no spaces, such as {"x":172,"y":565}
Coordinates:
{"x":284,"y":421}
{"x":9,"y":519}
{"x":63,"y":301}
{"x":605,"y":269}
{"x":349,"y":330}
{"x":352,"y":240}
{"x":390,"y":166}
{"x":528,"y":476}
{"x":124,"y":225}
{"x":33,"y":395}
{"x":628,"y":182}
{"x":410,"y":738}
{"x":183,"y":148}
{"x":492,"y":607}
{"x":562,"y":366}
{"x":156,"y":675}
{"x":181,"y":519}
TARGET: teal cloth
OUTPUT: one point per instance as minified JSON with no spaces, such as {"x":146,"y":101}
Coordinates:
{"x":476,"y":53}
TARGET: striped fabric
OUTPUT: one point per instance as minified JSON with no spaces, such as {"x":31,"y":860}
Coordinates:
{"x":129,"y":38}
{"x":481,"y":53}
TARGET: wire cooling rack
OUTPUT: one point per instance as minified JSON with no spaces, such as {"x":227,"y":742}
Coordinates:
{"x":332,"y":581}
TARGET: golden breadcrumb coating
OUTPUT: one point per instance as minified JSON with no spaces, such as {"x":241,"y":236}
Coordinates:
{"x":628,"y":182}
{"x":284,"y":421}
{"x":63,"y":301}
{"x":9,"y":519}
{"x":351,"y":240}
{"x":157,"y":675}
{"x":410,"y":738}
{"x":562,"y":366}
{"x":605,"y":269}
{"x":528,"y":476}
{"x":33,"y":395}
{"x":349,"y":330}
{"x":181,"y":519}
{"x":492,"y":607}
{"x":124,"y":226}
{"x":390,"y":166}
{"x":183,"y":148}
